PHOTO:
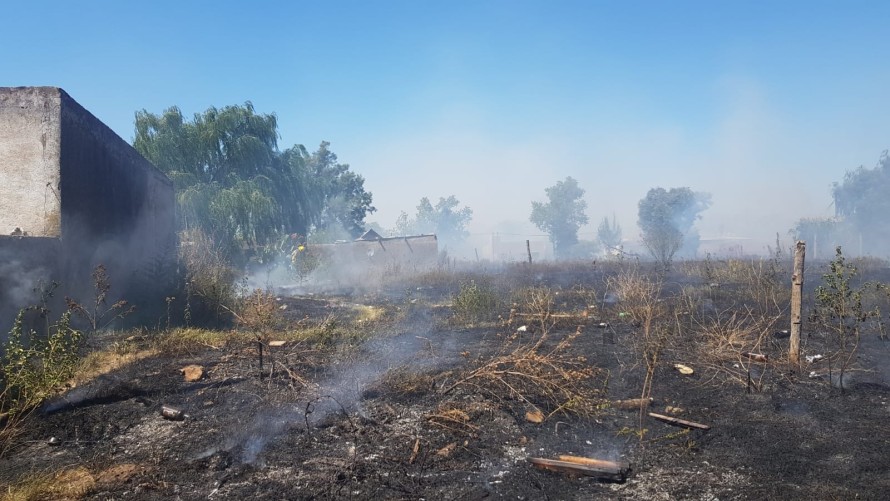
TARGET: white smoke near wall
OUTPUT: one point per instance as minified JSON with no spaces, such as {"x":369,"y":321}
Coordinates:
{"x":22,"y":284}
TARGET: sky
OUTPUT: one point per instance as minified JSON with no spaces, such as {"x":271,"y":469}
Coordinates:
{"x":762,"y":104}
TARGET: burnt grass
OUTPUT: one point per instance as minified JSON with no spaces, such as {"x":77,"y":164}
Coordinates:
{"x":372,"y":421}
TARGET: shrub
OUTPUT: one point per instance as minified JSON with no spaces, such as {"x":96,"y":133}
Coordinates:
{"x":210,"y":279}
{"x":476,"y":302}
{"x":839,"y":309}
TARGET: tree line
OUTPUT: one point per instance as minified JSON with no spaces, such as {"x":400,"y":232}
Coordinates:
{"x":236,"y":186}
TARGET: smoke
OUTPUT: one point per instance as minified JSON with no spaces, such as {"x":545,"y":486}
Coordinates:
{"x":342,"y":392}
{"x":21,"y":281}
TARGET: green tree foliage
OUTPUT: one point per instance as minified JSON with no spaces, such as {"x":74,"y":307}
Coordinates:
{"x":445,"y":220}
{"x":235,"y":185}
{"x":346,"y":203}
{"x":562,"y":215}
{"x":609,"y":234}
{"x":666,"y":218}
{"x":823,"y":234}
{"x":863,"y":201}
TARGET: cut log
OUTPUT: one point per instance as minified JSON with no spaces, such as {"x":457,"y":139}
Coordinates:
{"x":574,"y":468}
{"x":679,"y":422}
{"x":632,"y":403}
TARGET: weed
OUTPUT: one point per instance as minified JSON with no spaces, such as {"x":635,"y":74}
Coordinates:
{"x":99,"y":315}
{"x":34,"y":367}
{"x":475,"y":302}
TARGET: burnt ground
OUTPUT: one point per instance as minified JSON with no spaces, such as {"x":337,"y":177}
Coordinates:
{"x":361,"y":423}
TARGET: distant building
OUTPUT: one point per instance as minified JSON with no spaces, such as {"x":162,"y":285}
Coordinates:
{"x":372,"y":254}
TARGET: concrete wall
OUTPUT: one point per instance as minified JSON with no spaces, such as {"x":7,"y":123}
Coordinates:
{"x":65,"y":175}
{"x":117,"y":208}
{"x":30,"y":141}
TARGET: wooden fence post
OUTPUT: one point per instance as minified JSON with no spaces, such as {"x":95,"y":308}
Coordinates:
{"x":528,"y":248}
{"x":800,"y":252}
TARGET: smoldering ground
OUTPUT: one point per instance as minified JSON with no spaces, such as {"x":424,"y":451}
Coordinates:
{"x":347,"y":424}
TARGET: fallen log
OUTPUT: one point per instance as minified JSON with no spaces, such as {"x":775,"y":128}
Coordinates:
{"x":632,"y":403}
{"x":574,"y":468}
{"x":679,"y":422}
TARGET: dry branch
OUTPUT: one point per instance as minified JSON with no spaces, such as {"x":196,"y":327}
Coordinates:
{"x":679,"y":422}
{"x":757,"y":357}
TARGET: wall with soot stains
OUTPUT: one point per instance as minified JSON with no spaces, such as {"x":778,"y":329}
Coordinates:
{"x":65,"y":175}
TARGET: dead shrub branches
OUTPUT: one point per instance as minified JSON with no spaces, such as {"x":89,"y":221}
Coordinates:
{"x":537,"y":374}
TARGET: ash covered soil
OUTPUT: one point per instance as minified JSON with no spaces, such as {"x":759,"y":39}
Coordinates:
{"x":387,"y":418}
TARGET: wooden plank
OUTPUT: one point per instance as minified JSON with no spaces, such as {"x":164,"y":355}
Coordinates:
{"x":595,"y":463}
{"x":571,"y":468}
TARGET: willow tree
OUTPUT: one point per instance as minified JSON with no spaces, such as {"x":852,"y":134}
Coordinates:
{"x":234,"y":184}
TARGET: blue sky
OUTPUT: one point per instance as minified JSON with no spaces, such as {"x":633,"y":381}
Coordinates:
{"x":761,"y":104}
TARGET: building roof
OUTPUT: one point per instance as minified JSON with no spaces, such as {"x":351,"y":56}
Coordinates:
{"x":369,"y":235}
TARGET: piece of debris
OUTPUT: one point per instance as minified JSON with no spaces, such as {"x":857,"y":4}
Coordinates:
{"x":596,"y":463}
{"x":414,"y":451}
{"x":684,"y":369}
{"x":597,"y":468}
{"x":632,"y":403}
{"x":172,"y":413}
{"x":447,"y":450}
{"x":679,"y":422}
{"x":673,"y":410}
{"x":602,"y":325}
{"x":813,"y":358}
{"x":522,"y":328}
{"x":117,"y":474}
{"x":54,"y":441}
{"x":534,"y":416}
{"x":782,"y":334}
{"x":757,"y":357}
{"x":276,"y":344}
{"x":192,"y":373}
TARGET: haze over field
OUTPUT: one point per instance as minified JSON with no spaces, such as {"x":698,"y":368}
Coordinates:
{"x":763,"y":106}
